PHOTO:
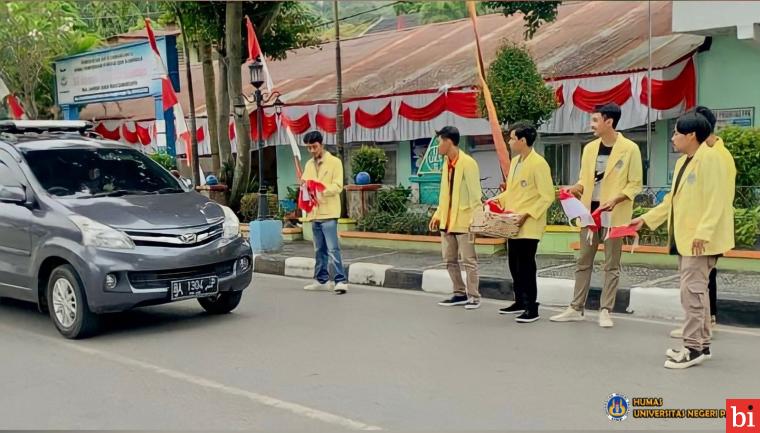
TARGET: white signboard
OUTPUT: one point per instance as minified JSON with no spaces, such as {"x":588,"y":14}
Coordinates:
{"x":734,"y":117}
{"x":123,"y":72}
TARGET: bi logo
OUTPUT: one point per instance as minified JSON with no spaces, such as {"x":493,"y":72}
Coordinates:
{"x":742,"y":416}
{"x":617,"y":407}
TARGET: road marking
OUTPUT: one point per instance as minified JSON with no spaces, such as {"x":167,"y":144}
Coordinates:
{"x":724,"y":329}
{"x":294,"y":408}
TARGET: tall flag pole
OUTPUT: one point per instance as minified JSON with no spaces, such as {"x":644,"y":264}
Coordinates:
{"x":498,"y":139}
{"x":169,"y":96}
{"x":254,"y":52}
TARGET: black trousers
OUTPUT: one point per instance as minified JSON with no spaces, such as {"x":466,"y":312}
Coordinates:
{"x":521,"y":254}
{"x":712,"y":287}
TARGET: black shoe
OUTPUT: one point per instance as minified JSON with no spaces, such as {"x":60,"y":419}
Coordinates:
{"x":685,"y":358}
{"x":454,"y":301}
{"x":529,"y":315}
{"x":515,"y":308}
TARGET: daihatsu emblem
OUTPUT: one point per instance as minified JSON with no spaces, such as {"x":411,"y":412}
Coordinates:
{"x":188,"y":238}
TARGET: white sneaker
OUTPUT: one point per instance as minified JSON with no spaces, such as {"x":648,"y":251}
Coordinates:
{"x":340,"y":289}
{"x":317,"y":287}
{"x":677,"y":333}
{"x":605,"y":321}
{"x":569,"y":315}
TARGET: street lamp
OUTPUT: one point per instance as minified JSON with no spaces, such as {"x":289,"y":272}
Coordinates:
{"x":256,"y":70}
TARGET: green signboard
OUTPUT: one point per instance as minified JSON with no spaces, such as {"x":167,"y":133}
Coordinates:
{"x":432,"y":161}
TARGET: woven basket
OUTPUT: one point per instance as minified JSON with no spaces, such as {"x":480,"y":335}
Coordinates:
{"x":493,"y":225}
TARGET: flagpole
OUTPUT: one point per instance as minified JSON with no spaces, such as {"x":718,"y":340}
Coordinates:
{"x":649,"y":93}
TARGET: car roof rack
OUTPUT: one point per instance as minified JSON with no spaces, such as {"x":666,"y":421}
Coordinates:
{"x":42,"y":126}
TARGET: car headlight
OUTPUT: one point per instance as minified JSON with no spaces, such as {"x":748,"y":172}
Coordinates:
{"x":231,"y":224}
{"x":95,"y":234}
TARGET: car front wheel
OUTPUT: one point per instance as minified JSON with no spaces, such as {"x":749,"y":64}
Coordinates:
{"x":221,"y":303}
{"x":68,"y":304}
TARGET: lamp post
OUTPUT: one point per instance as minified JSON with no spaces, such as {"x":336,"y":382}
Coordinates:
{"x":256,"y":69}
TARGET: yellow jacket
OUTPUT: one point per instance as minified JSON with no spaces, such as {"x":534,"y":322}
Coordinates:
{"x":330,"y":174}
{"x":730,"y":166}
{"x":466,"y":195}
{"x":699,"y":205}
{"x":529,"y":191}
{"x":623,"y":175}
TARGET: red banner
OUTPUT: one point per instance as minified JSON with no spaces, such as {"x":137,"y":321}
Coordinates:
{"x":587,"y":100}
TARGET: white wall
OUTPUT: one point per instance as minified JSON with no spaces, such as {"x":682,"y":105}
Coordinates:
{"x":709,"y":17}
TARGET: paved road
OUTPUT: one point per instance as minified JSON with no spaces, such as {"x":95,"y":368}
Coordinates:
{"x":376,"y":358}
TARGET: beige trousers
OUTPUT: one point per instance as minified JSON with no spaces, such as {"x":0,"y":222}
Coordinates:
{"x":585,"y":267}
{"x":695,"y":299}
{"x":452,"y":246}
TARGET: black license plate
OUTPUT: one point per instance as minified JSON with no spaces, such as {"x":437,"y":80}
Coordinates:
{"x":194,"y":288}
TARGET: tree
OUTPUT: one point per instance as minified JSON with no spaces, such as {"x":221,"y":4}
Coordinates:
{"x":280,"y":26}
{"x":32,"y":36}
{"x":235,"y":85}
{"x":519,"y":92}
{"x":109,"y":18}
{"x":744,"y":144}
{"x":535,"y":13}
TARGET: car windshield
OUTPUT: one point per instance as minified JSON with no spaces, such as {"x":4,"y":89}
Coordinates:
{"x":90,"y":173}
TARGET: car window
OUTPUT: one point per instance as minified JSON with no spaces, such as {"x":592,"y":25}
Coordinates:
{"x":7,"y":178}
{"x":85,"y":173}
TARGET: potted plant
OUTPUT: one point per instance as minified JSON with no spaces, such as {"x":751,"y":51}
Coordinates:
{"x":368,"y":162}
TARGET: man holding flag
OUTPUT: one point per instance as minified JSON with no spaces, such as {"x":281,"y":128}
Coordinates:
{"x":610,"y":178}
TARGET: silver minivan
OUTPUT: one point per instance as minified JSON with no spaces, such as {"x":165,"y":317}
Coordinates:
{"x":90,"y":226}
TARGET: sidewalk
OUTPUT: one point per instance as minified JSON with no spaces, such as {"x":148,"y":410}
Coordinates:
{"x":641,"y":287}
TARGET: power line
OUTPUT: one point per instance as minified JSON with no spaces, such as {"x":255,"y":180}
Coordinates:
{"x":358,"y":14}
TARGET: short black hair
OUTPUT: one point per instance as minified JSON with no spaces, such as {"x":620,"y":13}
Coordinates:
{"x":609,"y":111}
{"x":450,"y":132}
{"x":313,"y":137}
{"x":525,"y":130}
{"x":708,"y":114}
{"x":696,"y":123}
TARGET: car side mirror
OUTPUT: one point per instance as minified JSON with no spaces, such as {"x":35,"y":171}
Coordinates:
{"x":13,"y":194}
{"x":188,"y":183}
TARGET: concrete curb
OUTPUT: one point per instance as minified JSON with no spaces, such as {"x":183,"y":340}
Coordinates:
{"x":648,"y":302}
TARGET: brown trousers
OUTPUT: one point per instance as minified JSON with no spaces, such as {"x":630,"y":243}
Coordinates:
{"x":695,"y":299}
{"x":454,"y":245}
{"x":585,"y":267}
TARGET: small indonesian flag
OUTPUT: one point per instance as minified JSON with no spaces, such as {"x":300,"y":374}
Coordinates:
{"x":307,"y":197}
{"x":575,"y":209}
{"x":625,"y":232}
{"x":495,"y":207}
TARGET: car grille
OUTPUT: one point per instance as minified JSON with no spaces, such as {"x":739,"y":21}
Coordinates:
{"x":177,"y":239}
{"x":162,"y":279}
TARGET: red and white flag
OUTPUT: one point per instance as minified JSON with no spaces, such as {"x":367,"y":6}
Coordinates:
{"x":169,"y":96}
{"x":254,"y":51}
{"x":14,"y":106}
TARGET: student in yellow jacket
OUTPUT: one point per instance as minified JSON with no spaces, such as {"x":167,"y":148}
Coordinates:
{"x":328,"y":170}
{"x":529,"y":192}
{"x":729,"y":165}
{"x":611,"y":177}
{"x":699,"y":230}
{"x":459,"y":197}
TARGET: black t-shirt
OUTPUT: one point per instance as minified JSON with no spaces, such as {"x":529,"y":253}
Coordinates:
{"x":601,"y":165}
